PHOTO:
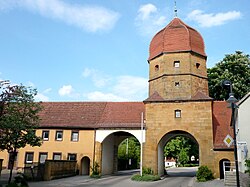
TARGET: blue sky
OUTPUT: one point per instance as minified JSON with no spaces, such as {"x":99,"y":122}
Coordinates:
{"x":97,"y":50}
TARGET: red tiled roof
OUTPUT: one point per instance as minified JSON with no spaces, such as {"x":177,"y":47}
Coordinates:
{"x":221,"y":123}
{"x":120,"y":115}
{"x":200,"y":96}
{"x":91,"y":114}
{"x":176,"y":37}
{"x":154,"y":97}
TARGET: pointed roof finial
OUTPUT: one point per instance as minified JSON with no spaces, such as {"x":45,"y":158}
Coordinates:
{"x":175,"y":10}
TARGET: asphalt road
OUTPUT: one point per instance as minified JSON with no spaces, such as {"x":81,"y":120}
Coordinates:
{"x":178,"y":177}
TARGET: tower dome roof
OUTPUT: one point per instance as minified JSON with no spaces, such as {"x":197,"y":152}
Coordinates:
{"x":176,"y":37}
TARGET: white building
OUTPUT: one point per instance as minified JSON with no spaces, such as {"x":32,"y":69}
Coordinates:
{"x":243,"y":136}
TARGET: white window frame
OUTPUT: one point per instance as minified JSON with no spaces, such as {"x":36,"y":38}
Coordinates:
{"x":74,"y":136}
{"x":57,"y":154}
{"x":28,"y":156}
{"x":177,"y":64}
{"x":57,"y":135}
{"x":43,"y":135}
{"x":177,"y":113}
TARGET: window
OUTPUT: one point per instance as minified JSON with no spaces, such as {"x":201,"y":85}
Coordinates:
{"x":57,"y":156}
{"x":156,"y":67}
{"x":42,"y":157}
{"x":71,"y":156}
{"x":45,"y":135}
{"x":197,"y":65}
{"x":29,"y":157}
{"x":59,"y":135}
{"x":176,"y":64}
{"x":74,"y":136}
{"x":177,"y":84}
{"x":177,"y":113}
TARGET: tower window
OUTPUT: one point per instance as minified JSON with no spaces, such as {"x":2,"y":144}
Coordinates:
{"x":156,"y":67}
{"x":197,"y":65}
{"x":177,"y":113}
{"x":176,"y":64}
{"x":177,"y":84}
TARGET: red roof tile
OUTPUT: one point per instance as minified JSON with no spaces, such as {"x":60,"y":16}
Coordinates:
{"x":154,"y":97}
{"x":221,"y":123}
{"x":176,"y":37}
{"x":91,"y":114}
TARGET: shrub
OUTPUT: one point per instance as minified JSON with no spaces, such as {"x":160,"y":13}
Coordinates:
{"x":147,"y":171}
{"x":204,"y":174}
{"x":95,"y":171}
{"x":247,"y":163}
{"x":145,"y":177}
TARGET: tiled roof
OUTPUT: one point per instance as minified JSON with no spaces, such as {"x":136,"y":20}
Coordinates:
{"x":176,"y":37}
{"x":91,"y":114}
{"x":154,"y":97}
{"x":200,"y":96}
{"x":221,"y":123}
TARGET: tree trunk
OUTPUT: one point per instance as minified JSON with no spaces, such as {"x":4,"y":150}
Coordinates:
{"x":12,"y":161}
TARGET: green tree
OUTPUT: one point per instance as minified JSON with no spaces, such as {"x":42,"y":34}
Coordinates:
{"x":18,"y":119}
{"x":234,"y":67}
{"x":129,"y":149}
{"x":181,"y":148}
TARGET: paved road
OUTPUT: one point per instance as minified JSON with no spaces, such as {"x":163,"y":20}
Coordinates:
{"x":178,"y":177}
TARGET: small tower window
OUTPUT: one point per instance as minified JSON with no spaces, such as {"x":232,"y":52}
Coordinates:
{"x":156,"y":67}
{"x":177,"y":113}
{"x":197,"y":65}
{"x":176,"y":64}
{"x":177,"y":84}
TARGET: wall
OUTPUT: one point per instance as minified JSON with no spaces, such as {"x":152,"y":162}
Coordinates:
{"x":243,"y":133}
{"x":83,"y":147}
{"x":196,"y":119}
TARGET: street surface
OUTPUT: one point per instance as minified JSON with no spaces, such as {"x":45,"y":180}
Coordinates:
{"x":177,"y":177}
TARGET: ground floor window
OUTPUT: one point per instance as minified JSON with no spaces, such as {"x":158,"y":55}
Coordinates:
{"x":29,"y":157}
{"x":57,"y":156}
{"x":71,"y":156}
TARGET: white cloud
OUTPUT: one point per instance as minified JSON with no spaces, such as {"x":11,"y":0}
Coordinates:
{"x":100,"y":96}
{"x":66,"y":90}
{"x":149,"y":20}
{"x":210,"y":20}
{"x":89,"y":18}
{"x":41,"y":97}
{"x":99,"y":79}
{"x":131,"y":87}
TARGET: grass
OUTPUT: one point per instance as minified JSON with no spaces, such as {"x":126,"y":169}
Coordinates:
{"x":145,"y":177}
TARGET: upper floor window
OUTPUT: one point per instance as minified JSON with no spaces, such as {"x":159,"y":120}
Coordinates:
{"x":57,"y":156}
{"x":176,"y":64}
{"x":59,"y":135}
{"x":177,"y":84}
{"x":197,"y":65}
{"x":177,"y":113}
{"x":74,"y":136}
{"x":156,"y":67}
{"x":29,"y":157}
{"x":45,"y":135}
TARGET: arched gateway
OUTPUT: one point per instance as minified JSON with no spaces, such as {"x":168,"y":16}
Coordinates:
{"x":178,"y":103}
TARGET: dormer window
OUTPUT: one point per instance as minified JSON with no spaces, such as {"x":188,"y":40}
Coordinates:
{"x":176,"y":64}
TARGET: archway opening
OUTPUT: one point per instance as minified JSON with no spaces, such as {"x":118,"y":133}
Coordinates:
{"x":178,"y":154}
{"x":85,"y":165}
{"x":129,"y":154}
{"x":224,"y":165}
{"x":114,"y":160}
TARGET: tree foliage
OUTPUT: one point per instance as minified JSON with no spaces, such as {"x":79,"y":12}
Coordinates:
{"x":18,"y":118}
{"x":129,"y":149}
{"x":181,"y":149}
{"x":235,"y":68}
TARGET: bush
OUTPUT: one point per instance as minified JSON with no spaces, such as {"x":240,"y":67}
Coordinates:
{"x":95,"y":171}
{"x":145,"y":177}
{"x":204,"y":174}
{"x":247,"y":165}
{"x":147,"y":171}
